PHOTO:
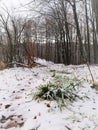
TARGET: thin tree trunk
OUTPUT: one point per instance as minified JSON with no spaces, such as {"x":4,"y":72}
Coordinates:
{"x":87,"y":26}
{"x":82,"y":51}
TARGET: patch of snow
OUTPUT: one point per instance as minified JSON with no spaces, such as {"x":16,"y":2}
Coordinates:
{"x":16,"y":104}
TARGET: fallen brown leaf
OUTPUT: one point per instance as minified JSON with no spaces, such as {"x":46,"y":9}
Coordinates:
{"x":18,"y":97}
{"x":7,"y":106}
{"x":11,"y":125}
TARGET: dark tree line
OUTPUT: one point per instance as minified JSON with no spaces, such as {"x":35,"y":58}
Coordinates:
{"x":64,"y":31}
{"x":71,"y":26}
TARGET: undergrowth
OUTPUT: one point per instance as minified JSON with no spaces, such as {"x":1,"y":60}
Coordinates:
{"x":64,"y":90}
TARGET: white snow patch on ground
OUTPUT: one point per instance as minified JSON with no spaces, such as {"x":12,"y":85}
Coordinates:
{"x":18,"y":112}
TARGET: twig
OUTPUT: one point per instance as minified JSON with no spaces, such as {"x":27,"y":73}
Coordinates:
{"x":19,"y":64}
{"x":67,"y":127}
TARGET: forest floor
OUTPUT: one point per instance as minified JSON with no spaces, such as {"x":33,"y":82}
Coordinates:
{"x":18,"y":111}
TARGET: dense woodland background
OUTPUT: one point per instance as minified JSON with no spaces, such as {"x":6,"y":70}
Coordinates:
{"x":62,"y":31}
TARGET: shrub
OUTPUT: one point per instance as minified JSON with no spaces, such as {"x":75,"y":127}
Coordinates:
{"x":60,"y":89}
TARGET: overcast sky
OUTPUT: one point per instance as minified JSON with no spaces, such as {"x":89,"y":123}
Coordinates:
{"x":17,"y":7}
{"x":13,"y":5}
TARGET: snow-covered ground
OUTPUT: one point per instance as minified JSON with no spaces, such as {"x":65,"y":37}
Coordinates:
{"x":19,"y":112}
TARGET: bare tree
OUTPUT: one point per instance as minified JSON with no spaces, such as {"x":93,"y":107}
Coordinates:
{"x":5,"y":24}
